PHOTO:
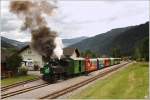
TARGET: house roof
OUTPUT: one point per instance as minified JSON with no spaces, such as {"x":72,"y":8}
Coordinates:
{"x":66,"y":51}
{"x":4,"y":55}
{"x":70,"y":51}
{"x":24,"y":48}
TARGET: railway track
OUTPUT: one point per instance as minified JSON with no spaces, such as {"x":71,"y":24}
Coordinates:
{"x":59,"y":93}
{"x":17,"y":84}
{"x":22,"y":90}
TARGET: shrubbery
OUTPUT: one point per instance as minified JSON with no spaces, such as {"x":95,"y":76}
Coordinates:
{"x":13,"y":63}
{"x":141,"y":52}
{"x":23,"y":70}
{"x":89,"y":53}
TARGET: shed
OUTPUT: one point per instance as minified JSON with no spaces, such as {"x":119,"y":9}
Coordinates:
{"x":71,"y":52}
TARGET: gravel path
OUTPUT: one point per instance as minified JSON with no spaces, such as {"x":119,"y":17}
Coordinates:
{"x":30,"y":84}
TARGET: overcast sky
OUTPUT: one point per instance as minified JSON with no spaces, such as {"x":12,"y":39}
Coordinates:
{"x":81,"y":18}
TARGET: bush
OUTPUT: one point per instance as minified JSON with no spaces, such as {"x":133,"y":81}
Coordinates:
{"x":23,"y":70}
{"x":142,"y":50}
{"x":14,"y":62}
{"x":89,"y":53}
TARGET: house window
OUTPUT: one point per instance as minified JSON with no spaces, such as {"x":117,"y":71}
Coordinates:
{"x":30,"y":64}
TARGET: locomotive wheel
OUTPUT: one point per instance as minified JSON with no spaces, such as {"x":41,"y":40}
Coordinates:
{"x":52,"y":79}
{"x":61,"y":76}
{"x":44,"y":77}
{"x":48,"y":78}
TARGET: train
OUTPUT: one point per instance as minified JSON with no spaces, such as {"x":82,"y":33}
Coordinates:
{"x":64,"y":68}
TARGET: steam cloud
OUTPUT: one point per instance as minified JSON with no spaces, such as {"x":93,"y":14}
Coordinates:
{"x":44,"y":41}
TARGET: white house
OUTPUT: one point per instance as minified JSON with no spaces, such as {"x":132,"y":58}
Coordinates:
{"x":31,"y":58}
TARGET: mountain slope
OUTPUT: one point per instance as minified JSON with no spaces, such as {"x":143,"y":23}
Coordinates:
{"x":124,"y":39}
{"x":9,"y":43}
{"x":5,"y":44}
{"x":68,"y":42}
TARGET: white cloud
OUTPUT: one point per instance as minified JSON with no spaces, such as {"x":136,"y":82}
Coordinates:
{"x":81,"y":18}
{"x":17,"y":35}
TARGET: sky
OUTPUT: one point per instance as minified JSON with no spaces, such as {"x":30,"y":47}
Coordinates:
{"x":80,"y":18}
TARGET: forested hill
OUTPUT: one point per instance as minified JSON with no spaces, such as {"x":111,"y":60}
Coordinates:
{"x":68,"y":42}
{"x":124,"y":39}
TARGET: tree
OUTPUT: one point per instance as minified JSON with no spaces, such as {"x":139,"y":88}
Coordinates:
{"x":89,"y":53}
{"x":14,"y":62}
{"x":116,"y":52}
{"x":141,"y":51}
{"x":137,"y":54}
{"x":145,"y":49}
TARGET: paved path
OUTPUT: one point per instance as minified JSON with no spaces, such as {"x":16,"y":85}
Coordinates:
{"x":34,"y":73}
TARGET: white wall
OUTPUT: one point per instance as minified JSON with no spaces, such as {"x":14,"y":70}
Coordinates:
{"x":74,"y":55}
{"x":32,"y":56}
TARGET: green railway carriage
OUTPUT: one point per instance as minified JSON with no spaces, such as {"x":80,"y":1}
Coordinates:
{"x":101,"y":63}
{"x":81,"y":65}
{"x":118,"y":60}
{"x":70,"y":67}
{"x":112,"y":61}
{"x":76,"y":66}
{"x":115,"y":61}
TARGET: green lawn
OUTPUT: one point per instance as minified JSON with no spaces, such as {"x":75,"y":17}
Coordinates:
{"x":13,"y":80}
{"x":130,"y":83}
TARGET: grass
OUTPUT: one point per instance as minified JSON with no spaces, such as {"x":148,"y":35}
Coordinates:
{"x":130,"y":83}
{"x":13,"y":80}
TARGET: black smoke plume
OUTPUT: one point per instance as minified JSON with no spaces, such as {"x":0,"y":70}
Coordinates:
{"x":31,"y":12}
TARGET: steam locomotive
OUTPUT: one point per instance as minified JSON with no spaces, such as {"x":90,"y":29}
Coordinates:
{"x":62,"y":69}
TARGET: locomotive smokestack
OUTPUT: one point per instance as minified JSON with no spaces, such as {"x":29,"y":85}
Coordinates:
{"x":44,"y":40}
